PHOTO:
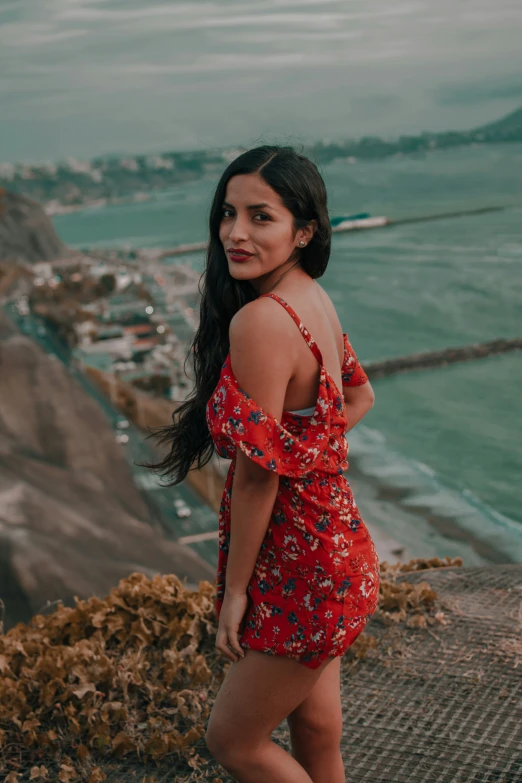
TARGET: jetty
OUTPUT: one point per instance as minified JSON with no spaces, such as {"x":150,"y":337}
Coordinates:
{"x":429,"y":360}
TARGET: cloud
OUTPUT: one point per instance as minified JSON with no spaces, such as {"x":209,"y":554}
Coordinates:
{"x":16,"y":35}
{"x":87,"y":66}
{"x":494,"y":89}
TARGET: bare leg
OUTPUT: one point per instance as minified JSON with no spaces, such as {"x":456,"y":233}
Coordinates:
{"x":258,"y":693}
{"x":316,"y":728}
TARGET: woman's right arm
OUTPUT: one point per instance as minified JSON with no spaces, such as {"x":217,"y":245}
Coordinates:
{"x":358,"y":393}
{"x":358,"y":400}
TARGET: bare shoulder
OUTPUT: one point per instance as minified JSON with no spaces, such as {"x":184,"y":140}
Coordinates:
{"x":334,"y":319}
{"x":330,"y":307}
{"x":261,"y":322}
{"x":259,"y":353}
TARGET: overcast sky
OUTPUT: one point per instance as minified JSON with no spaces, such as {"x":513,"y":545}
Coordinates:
{"x":86,"y":77}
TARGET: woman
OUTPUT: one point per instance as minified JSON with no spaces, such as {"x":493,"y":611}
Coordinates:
{"x":298,"y":573}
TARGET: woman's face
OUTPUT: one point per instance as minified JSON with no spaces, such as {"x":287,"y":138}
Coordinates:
{"x":255,"y":220}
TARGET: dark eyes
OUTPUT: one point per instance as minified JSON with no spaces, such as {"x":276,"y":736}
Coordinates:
{"x":224,"y":210}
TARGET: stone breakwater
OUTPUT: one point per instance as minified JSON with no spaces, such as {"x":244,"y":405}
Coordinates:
{"x":432,"y":359}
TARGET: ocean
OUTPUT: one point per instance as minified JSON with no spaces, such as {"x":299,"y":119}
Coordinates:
{"x":444,"y":441}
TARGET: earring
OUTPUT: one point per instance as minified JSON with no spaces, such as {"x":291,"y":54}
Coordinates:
{"x":302,"y":243}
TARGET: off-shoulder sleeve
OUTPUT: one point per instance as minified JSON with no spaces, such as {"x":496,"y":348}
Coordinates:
{"x":235,"y":420}
{"x":352,"y":372}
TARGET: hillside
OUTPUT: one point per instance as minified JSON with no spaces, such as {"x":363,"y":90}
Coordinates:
{"x":26,"y":233}
{"x":510,"y":124}
{"x":71,"y":519}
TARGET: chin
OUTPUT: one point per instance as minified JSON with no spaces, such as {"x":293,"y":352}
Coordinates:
{"x":241,"y":272}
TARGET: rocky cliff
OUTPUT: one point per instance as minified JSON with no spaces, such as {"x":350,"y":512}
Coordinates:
{"x":71,"y":520}
{"x":26,"y":233}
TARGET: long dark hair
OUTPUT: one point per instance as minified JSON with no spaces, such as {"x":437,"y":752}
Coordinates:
{"x":301,"y":188}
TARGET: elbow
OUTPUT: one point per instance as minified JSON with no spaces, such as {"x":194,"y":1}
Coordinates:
{"x":369,"y":395}
{"x":258,"y":489}
{"x":252,"y":476}
{"x":362,"y":397}
{"x":258,"y":481}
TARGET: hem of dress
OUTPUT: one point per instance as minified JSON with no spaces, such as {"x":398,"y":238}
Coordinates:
{"x":311,"y":664}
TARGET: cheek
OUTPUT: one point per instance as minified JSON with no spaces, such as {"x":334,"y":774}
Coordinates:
{"x":276,"y":240}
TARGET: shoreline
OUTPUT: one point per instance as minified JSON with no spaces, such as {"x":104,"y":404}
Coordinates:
{"x":407,"y":532}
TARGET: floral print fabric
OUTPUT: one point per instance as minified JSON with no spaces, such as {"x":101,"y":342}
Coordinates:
{"x":315,"y":583}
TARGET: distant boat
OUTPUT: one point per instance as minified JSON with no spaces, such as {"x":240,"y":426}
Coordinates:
{"x":360,"y":216}
{"x":361,"y":220}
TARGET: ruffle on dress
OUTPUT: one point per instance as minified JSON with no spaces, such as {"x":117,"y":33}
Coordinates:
{"x":235,"y":420}
{"x":351,"y":371}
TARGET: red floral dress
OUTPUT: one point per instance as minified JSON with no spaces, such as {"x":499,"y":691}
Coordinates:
{"x":315,"y":584}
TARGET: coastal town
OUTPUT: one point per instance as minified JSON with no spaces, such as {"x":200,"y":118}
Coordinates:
{"x":118,"y":318}
{"x":124,"y":320}
{"x":120,"y":322}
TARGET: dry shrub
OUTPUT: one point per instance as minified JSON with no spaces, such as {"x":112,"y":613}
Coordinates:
{"x":413,"y":604}
{"x":129,"y":675}
{"x":133,"y":676}
{"x":418,"y":564}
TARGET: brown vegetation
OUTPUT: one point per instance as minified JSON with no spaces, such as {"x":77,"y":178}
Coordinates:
{"x":10,"y":275}
{"x":134,"y":676}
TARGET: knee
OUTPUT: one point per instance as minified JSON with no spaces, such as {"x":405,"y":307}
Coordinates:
{"x":216,"y":741}
{"x":220,"y":744}
{"x":316,"y":733}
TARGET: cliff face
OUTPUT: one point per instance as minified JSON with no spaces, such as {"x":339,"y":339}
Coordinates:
{"x":511,"y":123}
{"x":72,"y":523}
{"x":26,"y":233}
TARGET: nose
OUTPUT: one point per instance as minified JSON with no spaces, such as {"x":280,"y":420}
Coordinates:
{"x":238,"y":231}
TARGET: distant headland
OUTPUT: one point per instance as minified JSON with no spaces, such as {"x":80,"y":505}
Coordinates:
{"x":73,"y":184}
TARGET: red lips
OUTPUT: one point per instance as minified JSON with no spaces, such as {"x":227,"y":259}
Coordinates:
{"x":236,"y":251}
{"x":239,"y":255}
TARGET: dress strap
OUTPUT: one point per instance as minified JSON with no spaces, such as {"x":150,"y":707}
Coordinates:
{"x":302,"y":328}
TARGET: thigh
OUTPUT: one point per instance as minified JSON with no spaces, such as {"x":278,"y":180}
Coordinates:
{"x":258,"y":693}
{"x":321,"y":708}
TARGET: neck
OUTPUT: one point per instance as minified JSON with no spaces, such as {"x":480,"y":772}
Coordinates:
{"x":267,"y":283}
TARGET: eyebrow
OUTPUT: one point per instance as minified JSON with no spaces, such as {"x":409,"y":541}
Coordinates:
{"x":251,"y":206}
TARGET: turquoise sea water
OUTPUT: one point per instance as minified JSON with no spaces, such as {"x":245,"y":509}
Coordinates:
{"x":452,"y":436}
